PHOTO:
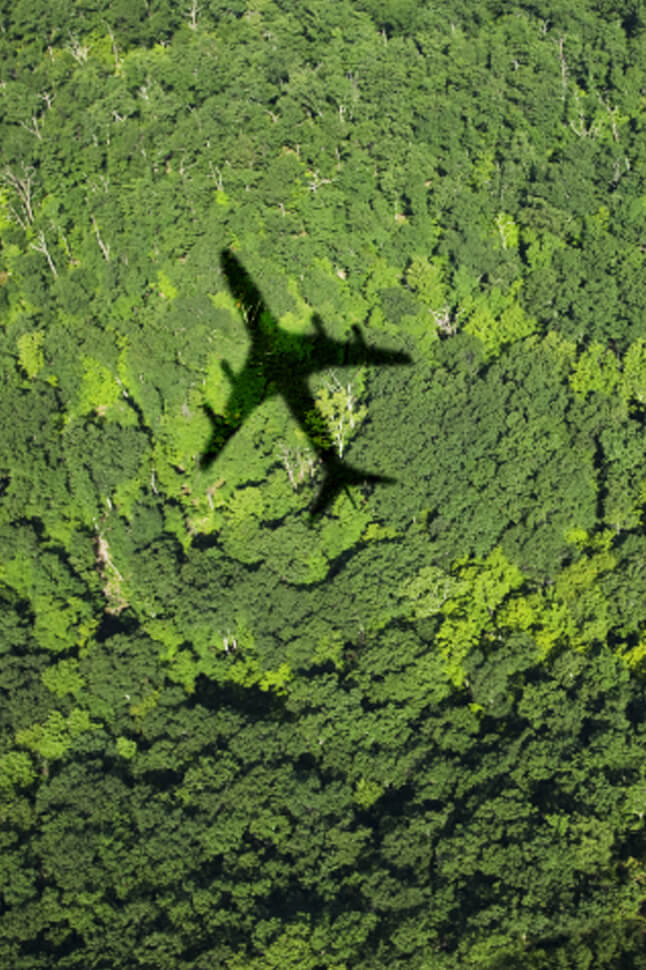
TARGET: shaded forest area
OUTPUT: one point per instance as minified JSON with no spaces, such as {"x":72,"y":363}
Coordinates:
{"x":409,"y":733}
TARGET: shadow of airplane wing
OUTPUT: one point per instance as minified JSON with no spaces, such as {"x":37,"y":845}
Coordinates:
{"x":243,"y":289}
{"x":329,"y":352}
{"x":248,"y":391}
{"x":221,"y":432}
{"x":361,"y":353}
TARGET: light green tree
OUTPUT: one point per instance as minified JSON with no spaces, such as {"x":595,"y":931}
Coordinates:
{"x":338,"y":413}
{"x":30,"y":352}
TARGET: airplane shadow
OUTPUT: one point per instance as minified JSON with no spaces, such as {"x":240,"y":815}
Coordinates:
{"x":279,"y":363}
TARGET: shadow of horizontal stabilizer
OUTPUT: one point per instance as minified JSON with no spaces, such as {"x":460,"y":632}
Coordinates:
{"x":338,"y":477}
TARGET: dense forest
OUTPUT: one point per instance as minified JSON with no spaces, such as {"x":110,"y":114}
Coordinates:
{"x":406,"y":733}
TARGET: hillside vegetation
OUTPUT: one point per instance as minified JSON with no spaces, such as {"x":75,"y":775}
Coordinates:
{"x":408,"y":733}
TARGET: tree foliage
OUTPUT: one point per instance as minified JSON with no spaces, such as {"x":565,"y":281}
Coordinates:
{"x":408,"y":733}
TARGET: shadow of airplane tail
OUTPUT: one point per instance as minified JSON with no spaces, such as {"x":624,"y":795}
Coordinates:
{"x":338,"y":476}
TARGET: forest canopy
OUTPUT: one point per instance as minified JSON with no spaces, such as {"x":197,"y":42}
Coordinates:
{"x":408,"y":732}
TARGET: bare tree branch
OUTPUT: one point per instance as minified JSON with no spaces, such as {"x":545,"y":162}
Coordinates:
{"x":563,"y":63}
{"x":192,"y":14}
{"x":41,"y":247}
{"x":32,"y":127}
{"x":105,"y":249}
{"x":22,"y":186}
{"x":78,"y":51}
